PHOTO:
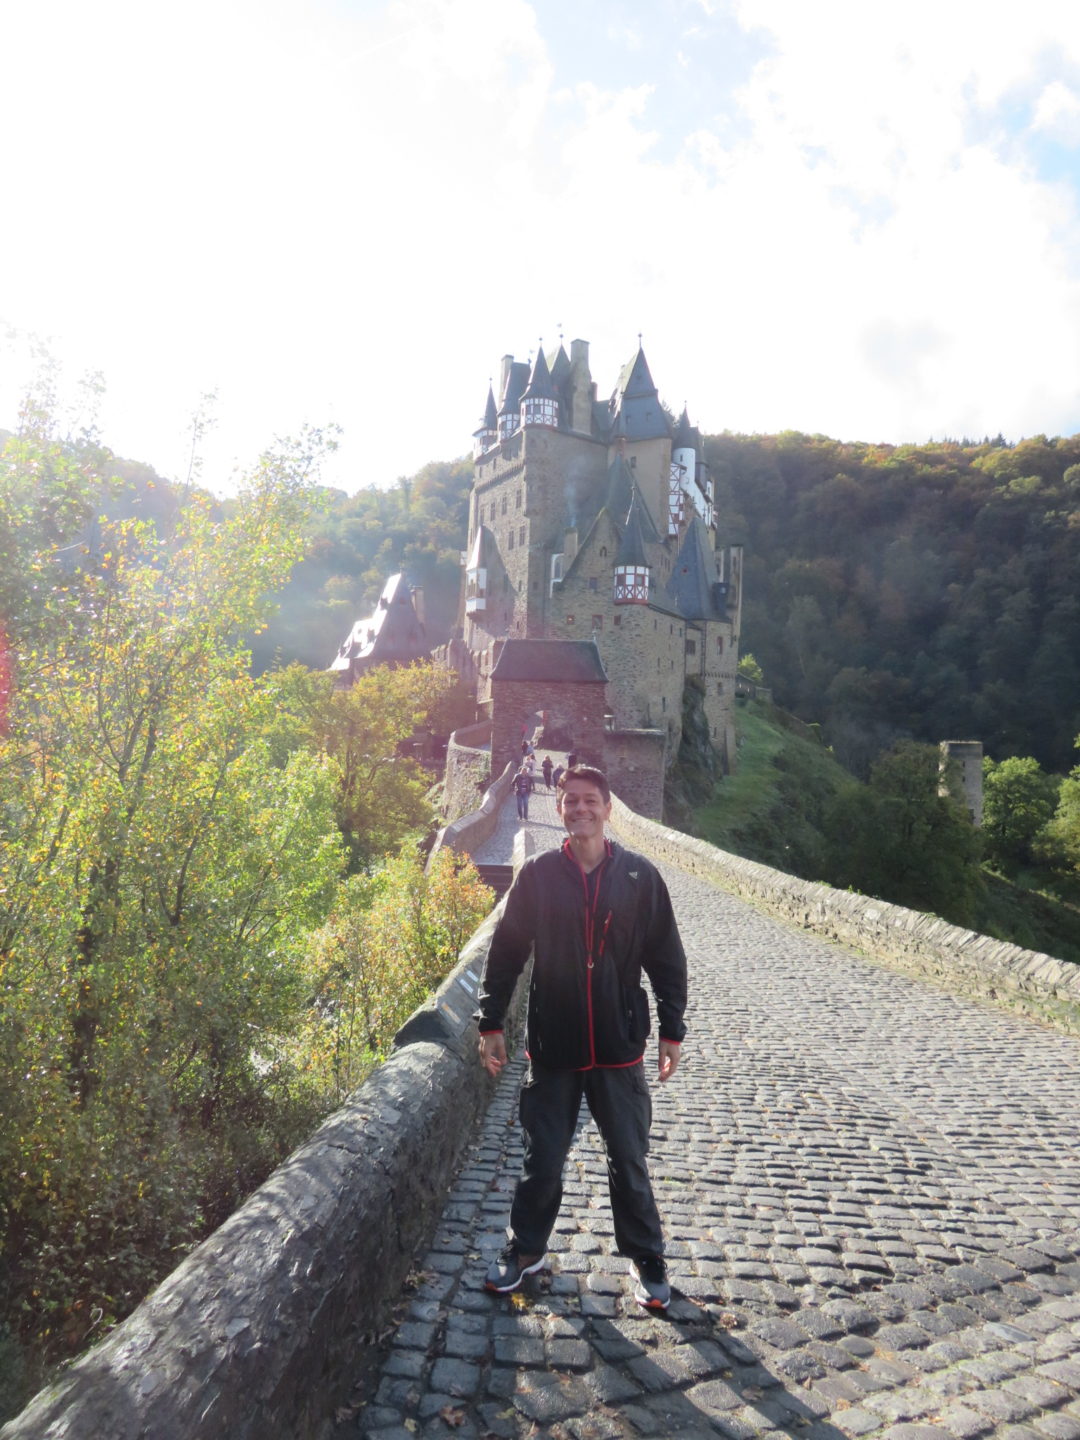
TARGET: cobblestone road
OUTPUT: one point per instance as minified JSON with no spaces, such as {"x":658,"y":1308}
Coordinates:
{"x":871,"y":1193}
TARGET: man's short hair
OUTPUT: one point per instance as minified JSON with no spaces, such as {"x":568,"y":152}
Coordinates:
{"x":586,"y":772}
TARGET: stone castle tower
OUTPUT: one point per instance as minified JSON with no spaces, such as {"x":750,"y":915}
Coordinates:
{"x":594,"y":521}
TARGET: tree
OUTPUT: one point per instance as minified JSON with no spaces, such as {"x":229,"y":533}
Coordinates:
{"x":392,"y":937}
{"x":158,"y":878}
{"x":1018,"y":801}
{"x":901,"y":840}
{"x":362,"y":732}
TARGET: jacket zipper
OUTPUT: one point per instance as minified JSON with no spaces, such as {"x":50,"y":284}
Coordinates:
{"x":590,"y":930}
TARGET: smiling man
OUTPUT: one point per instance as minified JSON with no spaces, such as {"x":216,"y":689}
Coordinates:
{"x":595,"y":918}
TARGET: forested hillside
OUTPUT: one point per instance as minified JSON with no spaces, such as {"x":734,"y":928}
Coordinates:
{"x":353,"y":544}
{"x":926,"y":591}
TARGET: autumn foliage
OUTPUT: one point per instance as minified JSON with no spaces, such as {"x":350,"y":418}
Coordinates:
{"x":189,"y":975}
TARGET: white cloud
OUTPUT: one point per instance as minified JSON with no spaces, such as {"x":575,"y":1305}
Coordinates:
{"x":1057,"y":113}
{"x":352,"y":212}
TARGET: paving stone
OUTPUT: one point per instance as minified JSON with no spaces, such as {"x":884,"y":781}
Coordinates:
{"x":1058,"y":1427}
{"x":857,"y":1421}
{"x":963,"y":1422}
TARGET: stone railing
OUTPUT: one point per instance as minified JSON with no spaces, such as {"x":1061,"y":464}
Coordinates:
{"x":468,"y":765}
{"x":962,"y":961}
{"x":469,"y":832}
{"x":257,"y":1333}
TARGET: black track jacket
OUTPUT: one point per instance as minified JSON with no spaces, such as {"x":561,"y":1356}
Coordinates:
{"x":591,"y":937}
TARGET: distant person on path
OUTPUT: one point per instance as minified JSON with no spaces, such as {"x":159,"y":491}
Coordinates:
{"x":595,"y":917}
{"x":546,"y":768}
{"x":523,"y":784}
{"x":557,"y":774}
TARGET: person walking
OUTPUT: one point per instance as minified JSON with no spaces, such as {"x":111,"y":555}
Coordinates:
{"x":523,"y":784}
{"x":596,"y":918}
{"x":546,"y":768}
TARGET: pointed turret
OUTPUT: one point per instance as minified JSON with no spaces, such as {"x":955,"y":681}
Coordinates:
{"x":488,"y":433}
{"x":636,"y":400}
{"x":515,"y":378}
{"x":694,"y":589}
{"x":687,"y":452}
{"x":685,"y":436}
{"x":539,"y":404}
{"x":632,"y":563}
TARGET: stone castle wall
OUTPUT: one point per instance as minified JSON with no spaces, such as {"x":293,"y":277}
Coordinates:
{"x":577,"y":710}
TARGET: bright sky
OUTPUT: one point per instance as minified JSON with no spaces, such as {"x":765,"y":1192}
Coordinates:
{"x":861,"y":219}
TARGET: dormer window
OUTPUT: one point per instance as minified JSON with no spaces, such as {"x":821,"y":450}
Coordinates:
{"x":475,"y":591}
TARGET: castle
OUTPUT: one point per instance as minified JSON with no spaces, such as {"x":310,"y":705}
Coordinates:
{"x":593,"y":522}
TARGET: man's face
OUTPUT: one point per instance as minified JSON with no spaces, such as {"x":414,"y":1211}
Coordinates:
{"x":583,"y":809}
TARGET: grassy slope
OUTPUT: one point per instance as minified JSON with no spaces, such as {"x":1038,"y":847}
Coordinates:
{"x":772,"y":809}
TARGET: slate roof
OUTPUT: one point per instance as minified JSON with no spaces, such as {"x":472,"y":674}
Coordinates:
{"x":693,"y":577}
{"x":540,"y":386}
{"x":491,"y":415}
{"x":620,"y":488}
{"x":559,"y":662}
{"x":560,"y":368}
{"x":635,"y":405}
{"x":483,"y":547}
{"x":686,"y":436}
{"x":638,"y":523}
{"x":392,"y":635}
{"x":516,"y":381}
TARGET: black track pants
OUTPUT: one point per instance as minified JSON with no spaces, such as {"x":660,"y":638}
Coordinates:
{"x":620,"y":1104}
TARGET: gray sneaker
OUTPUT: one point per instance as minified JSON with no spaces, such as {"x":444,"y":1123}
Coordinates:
{"x":509,"y":1268}
{"x":651,"y":1287}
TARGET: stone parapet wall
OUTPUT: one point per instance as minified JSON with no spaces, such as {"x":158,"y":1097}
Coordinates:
{"x":634,"y":762}
{"x":959,"y":960}
{"x":256,"y":1335}
{"x":469,"y":832}
{"x":468,"y":763}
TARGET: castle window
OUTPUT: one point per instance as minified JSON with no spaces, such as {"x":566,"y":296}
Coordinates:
{"x":663,"y":702}
{"x":510,"y":541}
{"x":502,"y":508}
{"x":597,"y":622}
{"x":618,"y":620}
{"x":719,"y":687}
{"x":691,"y":647}
{"x":538,"y":411}
{"x":493,"y":511}
{"x":719,"y":644}
{"x":569,"y":619}
{"x":633,"y":462}
{"x":517,"y":501}
{"x":521,"y":535}
{"x":603,"y":552}
{"x":593,"y":582}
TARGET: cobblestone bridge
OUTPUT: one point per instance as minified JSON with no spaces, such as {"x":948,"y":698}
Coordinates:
{"x":871,"y":1192}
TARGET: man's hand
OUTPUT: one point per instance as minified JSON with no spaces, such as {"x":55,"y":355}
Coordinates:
{"x":668,"y":1059}
{"x":493,"y":1053}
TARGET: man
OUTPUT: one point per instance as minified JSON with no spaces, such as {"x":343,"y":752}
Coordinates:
{"x":523,"y":784}
{"x":595,"y":917}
